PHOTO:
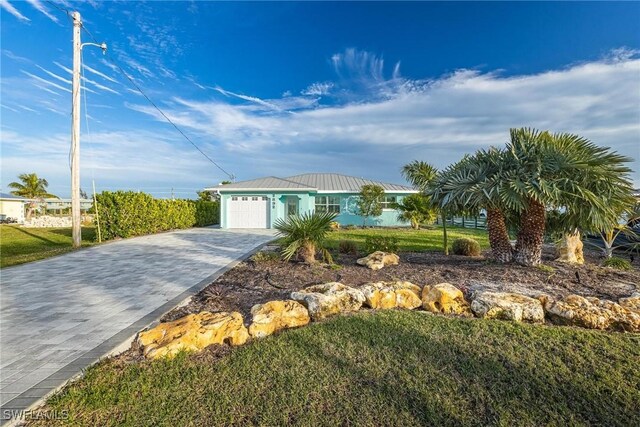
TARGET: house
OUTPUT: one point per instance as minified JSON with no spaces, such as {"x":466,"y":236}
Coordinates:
{"x":258,"y":203}
{"x":12,"y":207}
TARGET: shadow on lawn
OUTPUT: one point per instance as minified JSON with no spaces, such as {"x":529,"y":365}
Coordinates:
{"x":481,"y":383}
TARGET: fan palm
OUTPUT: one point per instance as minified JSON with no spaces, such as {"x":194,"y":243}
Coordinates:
{"x":416,"y":209}
{"x":304,"y":235}
{"x":473,"y":184}
{"x":565,"y":171}
{"x":31,"y":187}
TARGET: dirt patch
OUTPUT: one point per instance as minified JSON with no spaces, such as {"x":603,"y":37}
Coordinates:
{"x":252,"y":283}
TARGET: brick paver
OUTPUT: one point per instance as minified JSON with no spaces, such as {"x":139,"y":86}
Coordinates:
{"x":59,"y":315}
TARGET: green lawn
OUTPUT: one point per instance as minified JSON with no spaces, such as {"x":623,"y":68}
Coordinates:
{"x":409,"y":240}
{"x":372,"y":369}
{"x":19,"y":245}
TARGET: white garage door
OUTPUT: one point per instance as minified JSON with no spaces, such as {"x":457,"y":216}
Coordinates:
{"x":248,"y":212}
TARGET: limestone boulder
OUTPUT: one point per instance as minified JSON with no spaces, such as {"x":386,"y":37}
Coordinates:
{"x":192,"y":333}
{"x":632,"y":302}
{"x":590,"y":313}
{"x":507,"y":306}
{"x":329,"y":299}
{"x":445,"y":298}
{"x":277,"y":315}
{"x":383,"y":295}
{"x":378,"y":260}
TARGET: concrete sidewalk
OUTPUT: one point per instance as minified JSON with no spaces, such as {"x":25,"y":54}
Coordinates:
{"x":58,"y":316}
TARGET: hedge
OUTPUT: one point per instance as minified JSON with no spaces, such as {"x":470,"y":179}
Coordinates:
{"x":129,"y":213}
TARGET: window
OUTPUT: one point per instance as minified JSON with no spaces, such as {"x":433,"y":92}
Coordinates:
{"x":234,"y":198}
{"x":254,"y":198}
{"x":245,"y":199}
{"x":388,"y":201}
{"x":328,"y":204}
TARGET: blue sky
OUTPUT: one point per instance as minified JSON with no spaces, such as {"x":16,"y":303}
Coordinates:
{"x":287,"y":88}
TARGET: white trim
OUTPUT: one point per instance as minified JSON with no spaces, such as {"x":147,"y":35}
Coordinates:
{"x":356,"y":192}
{"x":267,"y":190}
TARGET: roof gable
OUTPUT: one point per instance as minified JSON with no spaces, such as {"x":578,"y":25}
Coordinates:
{"x":339,"y":182}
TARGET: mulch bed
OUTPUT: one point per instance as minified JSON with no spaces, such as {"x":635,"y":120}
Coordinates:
{"x":252,"y":283}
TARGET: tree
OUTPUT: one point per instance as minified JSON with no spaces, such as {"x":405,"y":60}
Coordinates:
{"x":304,"y":235}
{"x":564,"y":171}
{"x":33,"y":188}
{"x":470,"y":185}
{"x":421,"y":175}
{"x":416,"y":209}
{"x":370,"y":201}
{"x":205,"y":196}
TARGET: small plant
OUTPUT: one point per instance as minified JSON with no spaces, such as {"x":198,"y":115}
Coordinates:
{"x":265,"y":256}
{"x":335,"y":225}
{"x":617,"y":263}
{"x":546,"y":268}
{"x":304,"y":235}
{"x":347,"y":247}
{"x":466,"y":246}
{"x":381,"y":243}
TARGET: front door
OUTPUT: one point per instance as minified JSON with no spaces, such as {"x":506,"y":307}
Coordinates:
{"x":292,"y":206}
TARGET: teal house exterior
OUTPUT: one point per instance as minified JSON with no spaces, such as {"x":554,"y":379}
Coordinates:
{"x":260,"y":202}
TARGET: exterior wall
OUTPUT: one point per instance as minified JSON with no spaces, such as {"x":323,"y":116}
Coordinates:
{"x":12,"y":209}
{"x":306,"y":203}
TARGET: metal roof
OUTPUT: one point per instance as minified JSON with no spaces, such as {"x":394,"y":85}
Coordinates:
{"x":267,"y":183}
{"x":338,"y":182}
{"x":9,"y":196}
{"x":322,"y":182}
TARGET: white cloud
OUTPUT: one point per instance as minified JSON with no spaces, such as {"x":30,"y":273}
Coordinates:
{"x":4,"y":4}
{"x":40,"y":7}
{"x":437,"y":120}
{"x":318,"y":89}
{"x":99,"y":73}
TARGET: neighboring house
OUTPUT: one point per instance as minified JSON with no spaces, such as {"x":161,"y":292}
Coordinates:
{"x":12,"y":207}
{"x":60,"y":205}
{"x":260,"y":202}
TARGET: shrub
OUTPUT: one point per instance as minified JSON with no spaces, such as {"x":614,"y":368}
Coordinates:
{"x":129,"y":213}
{"x":335,"y":225}
{"x":347,"y":247}
{"x":207,"y":213}
{"x":265,"y":256}
{"x":617,"y":263}
{"x":305,"y":234}
{"x":381,"y":243}
{"x":466,"y":247}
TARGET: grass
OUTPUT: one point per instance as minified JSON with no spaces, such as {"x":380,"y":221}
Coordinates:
{"x":385,"y":368}
{"x":19,"y":245}
{"x":409,"y":240}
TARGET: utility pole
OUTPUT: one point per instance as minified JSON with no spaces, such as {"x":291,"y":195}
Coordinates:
{"x":75,"y":133}
{"x":76,"y":218}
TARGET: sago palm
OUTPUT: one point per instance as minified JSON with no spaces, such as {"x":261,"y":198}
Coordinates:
{"x":304,"y":235}
{"x":31,"y":187}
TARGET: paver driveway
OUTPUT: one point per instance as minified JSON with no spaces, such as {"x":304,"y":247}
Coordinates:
{"x":61,"y":314}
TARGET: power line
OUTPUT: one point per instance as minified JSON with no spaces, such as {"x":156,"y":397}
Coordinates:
{"x":139,"y":89}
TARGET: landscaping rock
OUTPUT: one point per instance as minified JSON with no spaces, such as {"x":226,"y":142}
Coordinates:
{"x":328,"y":299}
{"x":193,"y":332}
{"x":383,"y":295}
{"x":507,"y":306}
{"x":631,"y":303}
{"x":444,"y":298}
{"x":378,"y":260}
{"x":590,"y":313}
{"x":276,"y":315}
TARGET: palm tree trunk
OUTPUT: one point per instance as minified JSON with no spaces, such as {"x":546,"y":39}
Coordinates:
{"x":308,"y":253}
{"x":445,"y":239}
{"x":531,"y":234}
{"x":498,"y":236}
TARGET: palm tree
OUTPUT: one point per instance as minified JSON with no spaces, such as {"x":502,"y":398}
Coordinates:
{"x":304,"y":235}
{"x":543,"y":171}
{"x":31,"y":187}
{"x":416,"y":209}
{"x":473,"y":184}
